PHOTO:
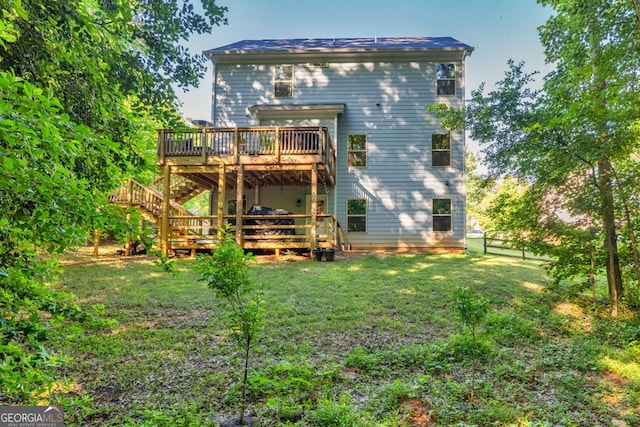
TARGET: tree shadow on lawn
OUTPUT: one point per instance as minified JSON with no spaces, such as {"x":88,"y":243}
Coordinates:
{"x":169,"y":351}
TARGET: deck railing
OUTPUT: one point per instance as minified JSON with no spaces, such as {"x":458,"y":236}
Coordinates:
{"x":253,"y":141}
{"x":201,"y":232}
{"x":188,"y":231}
{"x":135,"y":194}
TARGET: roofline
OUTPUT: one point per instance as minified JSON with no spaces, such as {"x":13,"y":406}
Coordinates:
{"x":340,"y":55}
{"x":336,"y":54}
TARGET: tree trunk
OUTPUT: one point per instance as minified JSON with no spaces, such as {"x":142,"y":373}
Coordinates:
{"x":605,"y":172}
{"x":614,"y":276}
{"x":633,"y":242}
{"x":592,"y":278}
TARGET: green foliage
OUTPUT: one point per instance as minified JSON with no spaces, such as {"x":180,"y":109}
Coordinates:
{"x":513,"y":211}
{"x":187,"y":414}
{"x":366,"y":360}
{"x":568,"y":140}
{"x":392,"y":395}
{"x":169,"y":348}
{"x":479,"y":193}
{"x":460,"y":348}
{"x":471,"y":308}
{"x":450,"y":118}
{"x":82,"y":86}
{"x":285,"y":409}
{"x":226,"y":272}
{"x":284,"y":379}
{"x":331,"y":413}
{"x":120,"y":48}
{"x":384,"y":362}
{"x":31,"y":314}
{"x":508,"y":329}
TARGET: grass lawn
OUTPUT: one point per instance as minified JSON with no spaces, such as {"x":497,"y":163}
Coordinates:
{"x":367,"y":340}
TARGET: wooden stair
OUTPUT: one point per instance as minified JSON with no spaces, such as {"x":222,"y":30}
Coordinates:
{"x":148,"y":201}
{"x":182,"y":189}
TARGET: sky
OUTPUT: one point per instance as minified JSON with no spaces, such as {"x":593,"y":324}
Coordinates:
{"x":498,"y":30}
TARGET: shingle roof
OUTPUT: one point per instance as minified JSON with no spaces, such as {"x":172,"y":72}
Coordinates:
{"x":342,"y":44}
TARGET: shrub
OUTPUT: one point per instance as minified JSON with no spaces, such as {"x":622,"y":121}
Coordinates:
{"x":330,"y":413}
{"x":226,"y":272}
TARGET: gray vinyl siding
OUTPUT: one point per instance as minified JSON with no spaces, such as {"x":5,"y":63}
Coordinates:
{"x":386,"y":101}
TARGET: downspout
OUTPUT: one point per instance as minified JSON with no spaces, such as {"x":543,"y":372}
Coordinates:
{"x":335,"y":186}
{"x":464,"y":151}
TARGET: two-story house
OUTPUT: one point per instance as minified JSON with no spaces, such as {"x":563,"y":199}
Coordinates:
{"x":333,"y":133}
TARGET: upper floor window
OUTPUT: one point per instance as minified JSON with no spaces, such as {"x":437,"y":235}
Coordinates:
{"x":356,"y":215}
{"x":283,"y":81}
{"x":440,"y":149}
{"x":446,"y":79}
{"x":357,"y":150}
{"x":442,"y":215}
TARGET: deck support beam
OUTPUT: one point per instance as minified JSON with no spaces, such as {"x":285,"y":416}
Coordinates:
{"x":222,"y":189}
{"x":96,"y":241}
{"x":239,"y":206}
{"x":314,"y":207}
{"x":166,"y":203}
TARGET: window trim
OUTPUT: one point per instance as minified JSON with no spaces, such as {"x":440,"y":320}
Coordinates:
{"x":365,"y":215}
{"x":449,"y":215}
{"x":365,"y":151}
{"x":447,"y":79}
{"x":440,"y":150}
{"x":276,"y":81}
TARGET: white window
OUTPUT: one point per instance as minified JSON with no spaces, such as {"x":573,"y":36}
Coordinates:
{"x":442,"y":215}
{"x":357,"y":215}
{"x":446,"y":79}
{"x":440,"y":149}
{"x":357,"y":150}
{"x":283,"y":81}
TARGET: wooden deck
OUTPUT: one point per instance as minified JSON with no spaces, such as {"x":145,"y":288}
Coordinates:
{"x":192,"y":232}
{"x":230,"y":160}
{"x":201,"y":232}
{"x":289,"y":151}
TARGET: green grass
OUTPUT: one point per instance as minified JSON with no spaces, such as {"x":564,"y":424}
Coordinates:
{"x":367,"y":340}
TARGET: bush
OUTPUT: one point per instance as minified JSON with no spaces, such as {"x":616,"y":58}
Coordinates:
{"x":226,"y":272}
{"x":31,"y":315}
{"x":329,"y":413}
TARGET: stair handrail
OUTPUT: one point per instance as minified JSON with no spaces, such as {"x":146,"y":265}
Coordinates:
{"x":135,"y":193}
{"x":158,"y":183}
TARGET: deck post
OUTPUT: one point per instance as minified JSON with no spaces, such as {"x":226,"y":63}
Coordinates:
{"x":239,"y":207}
{"x":321,"y":143}
{"x":166,"y":203}
{"x":205,"y":146}
{"x":127,"y":245}
{"x":96,"y":241}
{"x":314,"y":207}
{"x":236,"y":144}
{"x":130,"y":199}
{"x":278,"y":141}
{"x":221,"y":197}
{"x":161,"y":146}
